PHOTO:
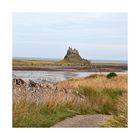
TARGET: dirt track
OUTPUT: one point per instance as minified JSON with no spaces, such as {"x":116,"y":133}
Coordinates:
{"x":83,"y":121}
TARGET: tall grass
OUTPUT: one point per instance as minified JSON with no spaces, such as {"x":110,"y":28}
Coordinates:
{"x":101,"y":100}
{"x":53,"y":108}
{"x":81,"y":96}
{"x":120,"y":119}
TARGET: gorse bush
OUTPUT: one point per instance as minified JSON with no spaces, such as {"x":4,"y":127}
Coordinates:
{"x":111,"y":74}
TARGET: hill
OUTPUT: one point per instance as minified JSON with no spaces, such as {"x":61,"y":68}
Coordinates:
{"x":73,"y":57}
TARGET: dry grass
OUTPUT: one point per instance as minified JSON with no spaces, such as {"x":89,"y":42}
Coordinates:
{"x":120,"y":119}
{"x":47,"y":62}
{"x":94,"y":94}
{"x":98,"y":81}
{"x":122,"y":112}
{"x":33,"y":62}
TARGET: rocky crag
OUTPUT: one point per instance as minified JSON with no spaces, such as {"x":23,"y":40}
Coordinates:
{"x":73,"y":57}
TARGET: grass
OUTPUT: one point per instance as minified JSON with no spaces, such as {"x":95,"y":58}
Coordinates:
{"x":101,"y":100}
{"x":37,"y":115}
{"x":90,"y":95}
{"x":33,"y":62}
{"x":121,"y":117}
{"x":17,"y":62}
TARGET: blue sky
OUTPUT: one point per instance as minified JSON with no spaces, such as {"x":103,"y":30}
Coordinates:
{"x":48,"y":35}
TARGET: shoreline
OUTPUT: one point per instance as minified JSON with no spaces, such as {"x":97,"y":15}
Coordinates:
{"x":48,"y":76}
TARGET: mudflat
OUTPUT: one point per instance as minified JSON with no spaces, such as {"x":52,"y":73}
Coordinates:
{"x":92,"y":68}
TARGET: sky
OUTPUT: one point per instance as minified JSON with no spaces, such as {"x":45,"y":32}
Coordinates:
{"x":99,"y":36}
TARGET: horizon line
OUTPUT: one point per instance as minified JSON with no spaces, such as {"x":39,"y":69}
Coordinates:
{"x":62,"y":58}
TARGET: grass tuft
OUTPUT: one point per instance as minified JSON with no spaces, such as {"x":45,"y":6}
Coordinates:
{"x":121,"y":117}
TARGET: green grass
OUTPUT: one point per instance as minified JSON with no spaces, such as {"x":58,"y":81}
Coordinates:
{"x":91,"y":95}
{"x":121,"y":117}
{"x":43,"y":115}
{"x":38,"y":115}
{"x":101,"y":100}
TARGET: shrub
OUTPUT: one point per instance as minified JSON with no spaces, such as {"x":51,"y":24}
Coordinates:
{"x":111,"y":74}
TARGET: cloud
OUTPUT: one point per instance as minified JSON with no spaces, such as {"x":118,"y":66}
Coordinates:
{"x":83,"y":30}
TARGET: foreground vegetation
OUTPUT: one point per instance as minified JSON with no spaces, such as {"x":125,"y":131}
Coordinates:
{"x":95,"y":94}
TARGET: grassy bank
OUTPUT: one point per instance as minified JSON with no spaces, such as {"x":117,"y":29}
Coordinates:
{"x":17,"y":62}
{"x":26,"y":62}
{"x":33,"y":62}
{"x":90,"y":95}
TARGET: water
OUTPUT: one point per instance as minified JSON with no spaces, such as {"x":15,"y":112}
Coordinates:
{"x":50,"y":76}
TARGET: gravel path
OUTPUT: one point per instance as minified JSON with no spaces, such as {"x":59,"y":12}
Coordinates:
{"x":83,"y":121}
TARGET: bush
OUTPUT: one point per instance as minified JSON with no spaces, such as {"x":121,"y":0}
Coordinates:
{"x":111,"y":74}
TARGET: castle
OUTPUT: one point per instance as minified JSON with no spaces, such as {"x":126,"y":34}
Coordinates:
{"x":71,"y":50}
{"x":73,"y":56}
{"x":71,"y":53}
